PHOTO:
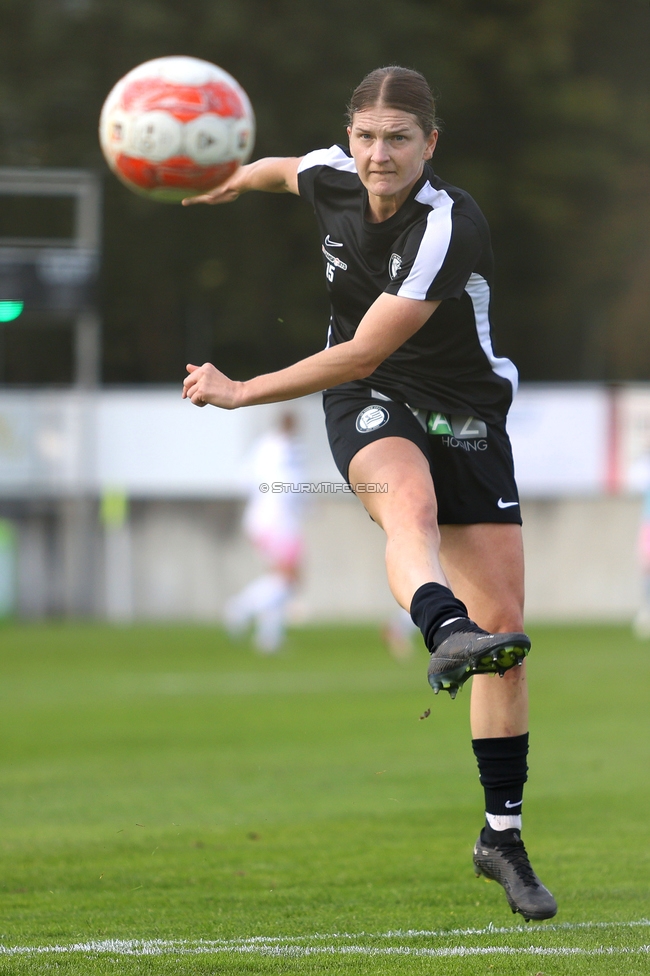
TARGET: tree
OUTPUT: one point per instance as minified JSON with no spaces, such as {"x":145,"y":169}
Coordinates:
{"x":546,"y":122}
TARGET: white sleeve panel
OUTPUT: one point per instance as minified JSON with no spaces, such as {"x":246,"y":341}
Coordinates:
{"x":433,"y":246}
{"x":333,"y":157}
{"x":479,"y":291}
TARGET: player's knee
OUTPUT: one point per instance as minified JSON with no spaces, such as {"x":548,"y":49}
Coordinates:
{"x":419,"y":517}
{"x":507,"y":619}
{"x":411,"y":513}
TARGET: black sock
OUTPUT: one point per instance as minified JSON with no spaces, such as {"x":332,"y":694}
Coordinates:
{"x":503,"y":770}
{"x":434,"y":604}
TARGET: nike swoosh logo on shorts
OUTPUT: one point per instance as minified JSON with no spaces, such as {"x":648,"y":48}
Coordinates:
{"x":330,"y":243}
{"x":503,"y":504}
{"x":510,"y":805}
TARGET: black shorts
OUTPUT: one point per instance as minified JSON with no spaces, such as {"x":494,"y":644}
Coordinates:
{"x":471,"y":461}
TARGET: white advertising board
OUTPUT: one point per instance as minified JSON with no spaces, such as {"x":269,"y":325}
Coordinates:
{"x":147,"y":443}
{"x":559,"y":439}
{"x":632,"y":445}
{"x":567,"y":440}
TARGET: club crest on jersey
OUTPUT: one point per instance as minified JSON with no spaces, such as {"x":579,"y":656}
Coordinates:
{"x":394,"y":266}
{"x":372,"y":418}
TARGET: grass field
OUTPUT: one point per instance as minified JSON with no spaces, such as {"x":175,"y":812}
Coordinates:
{"x":173,"y":803}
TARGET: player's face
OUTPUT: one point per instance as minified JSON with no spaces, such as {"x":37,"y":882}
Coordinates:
{"x":389,"y":149}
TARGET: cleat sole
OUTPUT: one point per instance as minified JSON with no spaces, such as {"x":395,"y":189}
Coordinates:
{"x":485,"y":665}
{"x":458,"y":663}
{"x":443,"y":683}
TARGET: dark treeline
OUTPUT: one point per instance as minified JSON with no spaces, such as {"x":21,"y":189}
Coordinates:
{"x":546,"y":122}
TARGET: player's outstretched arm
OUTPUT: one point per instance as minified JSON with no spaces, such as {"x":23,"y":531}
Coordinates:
{"x":274,"y":174}
{"x":387,"y":324}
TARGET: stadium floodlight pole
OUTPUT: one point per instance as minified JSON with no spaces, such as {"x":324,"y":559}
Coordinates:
{"x":53,"y":278}
{"x":88,"y":324}
{"x":56,"y":275}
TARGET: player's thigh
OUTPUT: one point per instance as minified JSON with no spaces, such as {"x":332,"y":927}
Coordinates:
{"x":484,"y":563}
{"x":381,"y":449}
{"x":401,"y":488}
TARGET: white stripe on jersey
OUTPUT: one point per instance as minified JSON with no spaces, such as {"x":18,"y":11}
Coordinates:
{"x":479,"y":291}
{"x":334,"y":157}
{"x":433,"y":246}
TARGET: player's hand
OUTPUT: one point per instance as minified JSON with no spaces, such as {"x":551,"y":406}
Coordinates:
{"x":206,"y":384}
{"x":224,"y":193}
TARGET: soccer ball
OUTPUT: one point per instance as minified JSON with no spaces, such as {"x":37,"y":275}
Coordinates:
{"x":174,"y":127}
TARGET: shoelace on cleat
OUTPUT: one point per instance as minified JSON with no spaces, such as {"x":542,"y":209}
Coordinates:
{"x":516,"y":856}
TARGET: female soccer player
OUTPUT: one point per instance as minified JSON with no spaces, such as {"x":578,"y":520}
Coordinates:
{"x":272,"y":521}
{"x":415,"y":398}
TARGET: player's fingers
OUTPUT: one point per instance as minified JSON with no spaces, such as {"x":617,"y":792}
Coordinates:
{"x":190,"y":369}
{"x":188,"y":201}
{"x":189,"y":390}
{"x":218,"y":195}
{"x":210,"y":197}
{"x":197,"y":399}
{"x":191,"y":378}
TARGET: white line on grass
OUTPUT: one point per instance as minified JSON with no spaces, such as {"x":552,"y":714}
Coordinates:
{"x":546,"y":927}
{"x":286,"y":945}
{"x":263,"y":949}
{"x":443,"y":933}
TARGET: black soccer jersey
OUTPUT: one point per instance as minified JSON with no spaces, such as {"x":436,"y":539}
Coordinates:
{"x":436,"y":247}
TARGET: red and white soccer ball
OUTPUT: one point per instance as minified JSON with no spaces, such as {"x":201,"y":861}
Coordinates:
{"x":175,"y":127}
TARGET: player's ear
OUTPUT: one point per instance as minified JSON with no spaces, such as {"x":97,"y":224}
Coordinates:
{"x":349,"y":131}
{"x":431,"y":144}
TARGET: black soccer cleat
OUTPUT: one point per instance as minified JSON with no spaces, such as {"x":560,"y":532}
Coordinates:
{"x":461,"y":655}
{"x":508,"y":864}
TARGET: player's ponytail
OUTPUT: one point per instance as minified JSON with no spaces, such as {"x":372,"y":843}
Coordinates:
{"x":398,"y":88}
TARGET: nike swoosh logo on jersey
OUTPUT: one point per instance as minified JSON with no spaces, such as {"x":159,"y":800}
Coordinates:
{"x":511,"y":806}
{"x":330,"y":243}
{"x":503,"y":504}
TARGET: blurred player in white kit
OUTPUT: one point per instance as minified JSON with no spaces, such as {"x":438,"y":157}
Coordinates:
{"x":272,"y":521}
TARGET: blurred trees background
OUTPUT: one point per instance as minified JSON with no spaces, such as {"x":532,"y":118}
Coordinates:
{"x":546,"y":122}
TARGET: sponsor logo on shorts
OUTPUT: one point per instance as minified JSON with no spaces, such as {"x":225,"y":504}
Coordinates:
{"x":468,"y":446}
{"x":372,"y":418}
{"x":503,"y":504}
{"x":466,"y":433}
{"x":438,"y":424}
{"x":394,"y":265}
{"x":461,"y":428}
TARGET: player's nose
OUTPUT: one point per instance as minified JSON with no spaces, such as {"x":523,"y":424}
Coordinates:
{"x":380,"y":151}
